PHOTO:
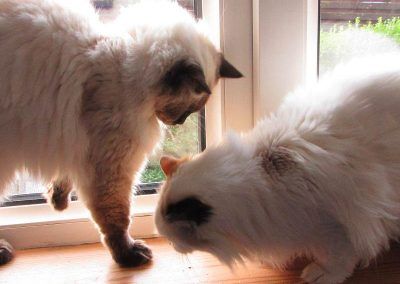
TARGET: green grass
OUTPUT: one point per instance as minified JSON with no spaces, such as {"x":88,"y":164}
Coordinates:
{"x":334,"y":44}
{"x":152,"y":174}
{"x":389,"y":27}
{"x":179,"y":141}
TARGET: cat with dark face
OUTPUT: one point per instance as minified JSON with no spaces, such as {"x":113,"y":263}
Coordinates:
{"x":82,"y":102}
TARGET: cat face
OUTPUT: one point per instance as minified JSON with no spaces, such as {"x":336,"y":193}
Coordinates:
{"x":179,"y":61}
{"x":216,"y":201}
{"x":202,"y":202}
{"x":171,"y":58}
{"x":180,"y":215}
{"x":186,"y":86}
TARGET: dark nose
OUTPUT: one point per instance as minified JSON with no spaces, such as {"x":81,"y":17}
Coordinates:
{"x":182,"y":118}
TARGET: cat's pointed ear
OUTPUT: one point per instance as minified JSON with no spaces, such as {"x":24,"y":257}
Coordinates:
{"x":227,"y":70}
{"x":186,"y":72}
{"x":278,"y":161}
{"x":169,"y":165}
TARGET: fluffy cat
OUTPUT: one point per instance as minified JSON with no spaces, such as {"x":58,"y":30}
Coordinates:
{"x":319,"y":178}
{"x":81,"y":102}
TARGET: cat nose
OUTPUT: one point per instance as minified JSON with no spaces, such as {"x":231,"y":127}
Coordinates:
{"x":182,"y":118}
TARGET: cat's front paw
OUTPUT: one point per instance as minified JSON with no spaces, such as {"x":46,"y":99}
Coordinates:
{"x":6,"y":252}
{"x":316,"y":274}
{"x":137,"y":253}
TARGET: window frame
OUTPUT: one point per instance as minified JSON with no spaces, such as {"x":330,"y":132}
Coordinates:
{"x":277,"y":73}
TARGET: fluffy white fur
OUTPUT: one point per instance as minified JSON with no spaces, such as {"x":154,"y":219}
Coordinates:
{"x":320,"y":177}
{"x":49,"y":48}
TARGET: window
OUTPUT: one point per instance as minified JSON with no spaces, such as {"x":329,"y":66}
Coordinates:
{"x":351,"y":28}
{"x":182,"y":140}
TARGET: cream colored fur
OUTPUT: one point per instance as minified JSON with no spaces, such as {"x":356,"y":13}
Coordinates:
{"x":81,"y":101}
{"x":320,"y":178}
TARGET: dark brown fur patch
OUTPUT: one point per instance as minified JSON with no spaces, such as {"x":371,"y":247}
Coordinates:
{"x":227,"y":70}
{"x":6,"y":252}
{"x":186,"y":73}
{"x":277,"y":161}
{"x":190,"y":209}
{"x":59,"y":194}
{"x":128,"y":253}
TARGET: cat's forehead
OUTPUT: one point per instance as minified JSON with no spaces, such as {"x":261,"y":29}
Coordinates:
{"x":179,"y":186}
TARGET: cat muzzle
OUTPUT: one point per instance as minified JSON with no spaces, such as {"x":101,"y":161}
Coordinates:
{"x":182,"y":118}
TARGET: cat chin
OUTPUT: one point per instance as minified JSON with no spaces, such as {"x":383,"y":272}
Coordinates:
{"x":182,"y":248}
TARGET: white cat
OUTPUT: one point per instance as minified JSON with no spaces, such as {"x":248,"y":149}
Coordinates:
{"x":320,"y":178}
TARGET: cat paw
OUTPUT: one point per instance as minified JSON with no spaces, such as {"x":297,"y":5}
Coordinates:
{"x":316,"y":274}
{"x":6,"y":252}
{"x":58,"y":195}
{"x":137,"y":254}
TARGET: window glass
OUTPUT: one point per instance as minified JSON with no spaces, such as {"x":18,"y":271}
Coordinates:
{"x":352,"y":28}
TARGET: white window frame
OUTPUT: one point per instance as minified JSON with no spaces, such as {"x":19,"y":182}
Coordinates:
{"x":252,"y":37}
{"x":285,"y":50}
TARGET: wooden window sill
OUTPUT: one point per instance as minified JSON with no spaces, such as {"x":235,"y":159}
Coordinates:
{"x":92,"y":264}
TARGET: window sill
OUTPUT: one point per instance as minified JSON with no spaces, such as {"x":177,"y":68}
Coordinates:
{"x":32,"y":226}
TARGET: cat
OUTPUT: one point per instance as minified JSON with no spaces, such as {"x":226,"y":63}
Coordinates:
{"x":318,"y":178}
{"x":83,"y":103}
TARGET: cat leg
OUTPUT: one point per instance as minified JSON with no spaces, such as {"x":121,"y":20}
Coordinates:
{"x":333,"y":264}
{"x":59,"y":193}
{"x":6,"y":252}
{"x":109,"y":204}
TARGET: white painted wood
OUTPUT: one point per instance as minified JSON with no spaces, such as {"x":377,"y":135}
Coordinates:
{"x":231,"y":104}
{"x":215,"y":105}
{"x":285,"y":50}
{"x":33,"y":226}
{"x":237,"y":46}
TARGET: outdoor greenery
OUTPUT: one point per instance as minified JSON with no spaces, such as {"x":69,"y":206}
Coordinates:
{"x":180,"y":140}
{"x":389,"y":27}
{"x":342,"y":41}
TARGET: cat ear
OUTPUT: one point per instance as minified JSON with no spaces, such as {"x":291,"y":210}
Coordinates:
{"x":186,"y":72}
{"x":278,"y":161}
{"x":227,"y":70}
{"x":168,"y":165}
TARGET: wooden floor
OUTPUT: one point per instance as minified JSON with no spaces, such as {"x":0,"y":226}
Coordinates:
{"x":92,"y":264}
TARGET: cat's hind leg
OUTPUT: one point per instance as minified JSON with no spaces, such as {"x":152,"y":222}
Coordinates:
{"x":58,"y":194}
{"x":6,"y":252}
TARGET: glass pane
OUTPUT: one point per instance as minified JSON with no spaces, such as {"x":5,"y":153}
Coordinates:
{"x":179,"y":140}
{"x":352,"y":28}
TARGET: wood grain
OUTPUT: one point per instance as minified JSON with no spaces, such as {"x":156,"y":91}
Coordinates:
{"x":92,"y":264}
